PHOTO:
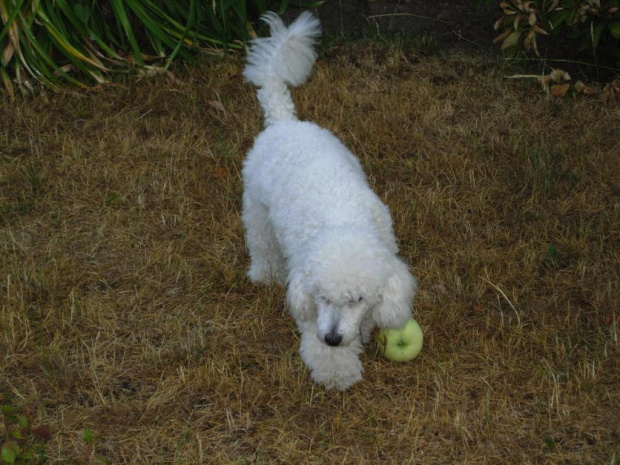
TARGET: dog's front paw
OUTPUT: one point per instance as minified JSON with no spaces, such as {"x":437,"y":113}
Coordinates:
{"x":341,"y":380}
{"x":333,"y":367}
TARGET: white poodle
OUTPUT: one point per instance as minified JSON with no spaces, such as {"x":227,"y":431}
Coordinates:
{"x":311,"y":220}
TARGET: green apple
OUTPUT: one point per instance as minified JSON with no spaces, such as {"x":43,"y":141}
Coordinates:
{"x":401,"y":345}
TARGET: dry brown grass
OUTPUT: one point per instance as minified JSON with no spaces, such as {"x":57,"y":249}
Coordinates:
{"x":125,"y":309}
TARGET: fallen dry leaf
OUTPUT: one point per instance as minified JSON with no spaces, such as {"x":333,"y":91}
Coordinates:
{"x":217,"y":105}
{"x":611,"y":92}
{"x":579,"y":87}
{"x":219,"y":172}
{"x":559,"y":90}
{"x":544,"y":80}
{"x":558,"y":75}
{"x":502,"y":36}
{"x":584,"y":89}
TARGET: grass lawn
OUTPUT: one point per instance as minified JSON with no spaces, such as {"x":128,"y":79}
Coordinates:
{"x":130,"y":334}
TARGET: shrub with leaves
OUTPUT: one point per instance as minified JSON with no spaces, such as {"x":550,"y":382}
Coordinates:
{"x":82,"y":42}
{"x":523,"y":22}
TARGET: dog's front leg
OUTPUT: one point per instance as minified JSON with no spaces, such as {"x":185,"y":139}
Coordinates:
{"x":334,"y":367}
{"x":368,"y":324}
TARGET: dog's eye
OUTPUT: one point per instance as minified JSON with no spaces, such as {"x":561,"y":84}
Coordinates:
{"x":355,"y":301}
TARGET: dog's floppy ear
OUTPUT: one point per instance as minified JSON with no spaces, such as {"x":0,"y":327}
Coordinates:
{"x":396,"y":305}
{"x":300,"y":302}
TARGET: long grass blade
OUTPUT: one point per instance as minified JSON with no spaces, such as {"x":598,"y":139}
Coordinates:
{"x":124,"y":23}
{"x":190,"y":24}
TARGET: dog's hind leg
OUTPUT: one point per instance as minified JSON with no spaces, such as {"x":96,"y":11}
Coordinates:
{"x":267,"y":261}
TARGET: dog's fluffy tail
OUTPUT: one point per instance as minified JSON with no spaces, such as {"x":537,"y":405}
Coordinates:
{"x":284,"y":59}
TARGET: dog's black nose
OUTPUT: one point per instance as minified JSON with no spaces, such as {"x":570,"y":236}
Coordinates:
{"x":333,"y":339}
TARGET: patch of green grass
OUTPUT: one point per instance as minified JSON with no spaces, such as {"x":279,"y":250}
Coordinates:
{"x":113,"y":200}
{"x":544,"y":166}
{"x":553,"y":258}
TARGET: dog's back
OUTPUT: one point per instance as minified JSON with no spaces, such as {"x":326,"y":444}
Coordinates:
{"x":301,"y":170}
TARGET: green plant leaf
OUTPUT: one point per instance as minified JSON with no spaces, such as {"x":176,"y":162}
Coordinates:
{"x":614,"y":29}
{"x":123,"y":21}
{"x":190,"y":23}
{"x":23,"y":421}
{"x":9,"y":452}
{"x":559,"y":17}
{"x":10,"y":18}
{"x":82,"y":12}
{"x":597,"y":34}
{"x":7,"y":410}
{"x":16,"y":435}
{"x":511,"y":40}
{"x":553,"y":253}
{"x":283,"y":6}
{"x":113,"y":199}
{"x":550,"y":443}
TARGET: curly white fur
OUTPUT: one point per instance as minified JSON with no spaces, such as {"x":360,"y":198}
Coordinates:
{"x":313,"y":223}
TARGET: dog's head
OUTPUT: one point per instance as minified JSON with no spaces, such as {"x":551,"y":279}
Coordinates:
{"x":345,"y":277}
